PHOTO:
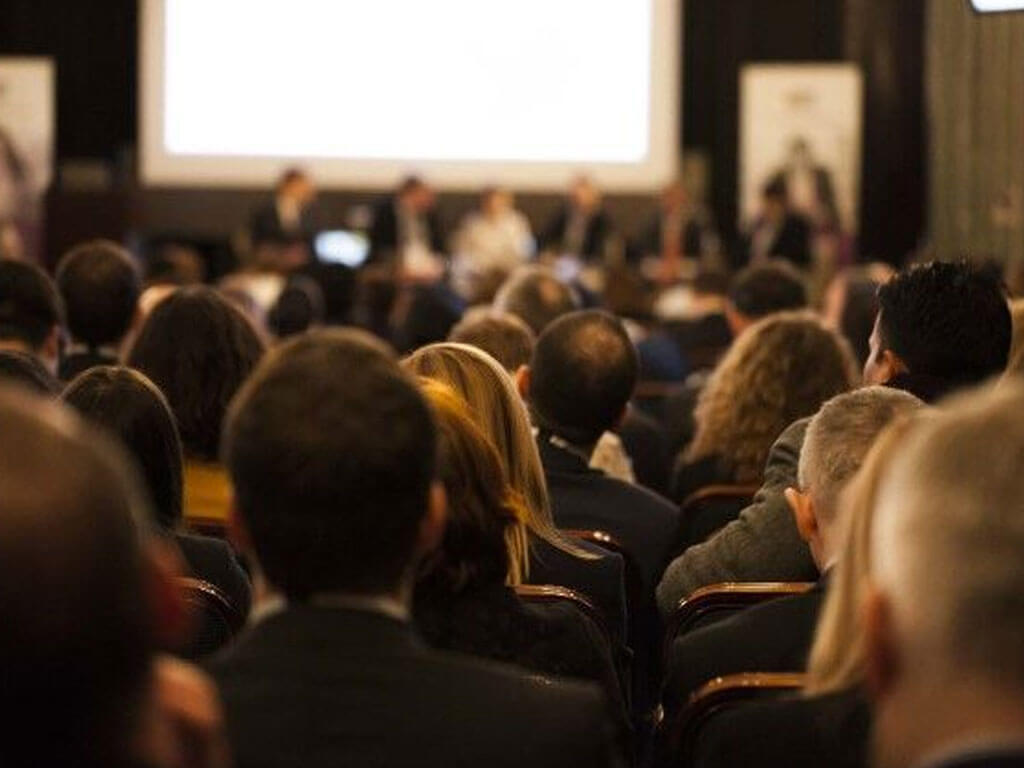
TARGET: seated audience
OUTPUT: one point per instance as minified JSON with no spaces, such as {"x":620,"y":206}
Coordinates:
{"x":490,"y":243}
{"x":779,"y":370}
{"x":26,"y":370}
{"x":503,"y":336}
{"x":82,"y":684}
{"x":851,"y":304}
{"x":100,"y":285}
{"x":941,"y":326}
{"x":339,"y":516}
{"x":464,"y":599}
{"x":945,"y":608}
{"x":130,"y":407}
{"x":499,"y":411}
{"x":198,"y":348}
{"x":829,"y":724}
{"x":776,"y":636}
{"x":581,"y":227}
{"x":31,"y":313}
{"x":535,"y":296}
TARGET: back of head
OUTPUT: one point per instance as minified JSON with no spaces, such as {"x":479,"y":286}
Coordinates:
{"x":26,"y":370}
{"x":483,"y":511}
{"x":100,"y":285}
{"x":536,"y":296}
{"x":764,"y":289}
{"x":331,"y":450}
{"x":946,"y":320}
{"x":198,"y":349}
{"x":30,"y":306}
{"x":299,"y":308}
{"x":129,"y":406}
{"x":840,"y":436}
{"x":72,"y":600}
{"x":946,"y":548}
{"x":582,"y":375}
{"x":504,"y":337}
{"x":779,"y":370}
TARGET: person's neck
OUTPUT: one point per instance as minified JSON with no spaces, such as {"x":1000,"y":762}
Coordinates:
{"x":584,"y":451}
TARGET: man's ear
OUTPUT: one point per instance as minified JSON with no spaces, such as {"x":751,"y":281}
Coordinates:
{"x":169,"y":614}
{"x":803,"y":513}
{"x":891,"y":364}
{"x":882,"y":646}
{"x":50,"y":350}
{"x":433,"y":524}
{"x":523,"y":380}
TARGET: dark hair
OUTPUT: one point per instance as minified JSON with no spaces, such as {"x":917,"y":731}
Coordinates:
{"x":299,"y":308}
{"x":946,"y":320}
{"x":765,"y":289}
{"x":198,"y":348}
{"x":331,"y":450}
{"x":504,"y":337}
{"x":288,"y":175}
{"x":29,"y":304}
{"x":537,"y":297}
{"x":860,"y":307}
{"x":72,"y":593}
{"x":583,"y":372}
{"x":776,"y":189}
{"x":27,"y":370}
{"x":128,"y":405}
{"x":100,"y":286}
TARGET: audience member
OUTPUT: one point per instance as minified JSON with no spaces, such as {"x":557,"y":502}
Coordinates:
{"x":581,"y":227}
{"x":829,"y":724}
{"x":851,"y":304}
{"x":26,"y":370}
{"x":778,"y":232}
{"x":198,"y":348}
{"x":761,"y":290}
{"x":291,"y":216}
{"x":31,"y":313}
{"x":338,"y":516}
{"x":776,"y":636}
{"x":464,"y":599}
{"x":100,"y":285}
{"x":536,"y":296}
{"x":952,"y":323}
{"x":405,"y":225}
{"x":779,"y":370}
{"x":945,"y":606}
{"x":83,"y":685}
{"x":299,"y":307}
{"x":491,"y":242}
{"x":504,"y":337}
{"x":499,"y":411}
{"x":130,"y":407}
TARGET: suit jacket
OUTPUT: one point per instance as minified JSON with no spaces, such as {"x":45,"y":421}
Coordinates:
{"x":647,"y":446}
{"x":830,"y":730}
{"x":214,"y":561}
{"x":78,"y":362}
{"x":792,"y":242}
{"x":763,"y":544}
{"x":332,"y":687}
{"x":599,"y":227}
{"x":652,"y":237}
{"x":773,"y":637}
{"x":384,"y":234}
{"x":265,"y":225}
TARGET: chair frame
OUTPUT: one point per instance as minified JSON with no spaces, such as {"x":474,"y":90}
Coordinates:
{"x":216,"y":598}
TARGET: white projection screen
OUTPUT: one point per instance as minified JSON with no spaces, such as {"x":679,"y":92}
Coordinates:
{"x":525,"y":93}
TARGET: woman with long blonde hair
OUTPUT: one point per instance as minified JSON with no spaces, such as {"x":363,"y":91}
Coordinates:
{"x":501,"y":414}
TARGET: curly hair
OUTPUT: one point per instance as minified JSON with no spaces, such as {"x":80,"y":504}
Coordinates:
{"x":777,"y":371}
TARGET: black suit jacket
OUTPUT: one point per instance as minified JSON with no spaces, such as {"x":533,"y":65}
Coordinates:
{"x":773,"y":637}
{"x":265,"y":225}
{"x":792,"y":242}
{"x":214,"y":561}
{"x":830,"y":730}
{"x":652,"y":238}
{"x":599,"y":227}
{"x":384,"y":234}
{"x":316,"y":687}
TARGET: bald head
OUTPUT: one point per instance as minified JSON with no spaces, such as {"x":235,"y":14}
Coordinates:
{"x":71,"y":584}
{"x":536,"y":296}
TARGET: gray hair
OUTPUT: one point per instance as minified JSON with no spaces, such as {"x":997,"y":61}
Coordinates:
{"x":840,"y":436}
{"x":948,"y":542}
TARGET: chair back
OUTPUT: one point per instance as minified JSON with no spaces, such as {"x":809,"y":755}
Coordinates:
{"x":550,"y":593}
{"x":719,"y":601}
{"x":708,"y":510}
{"x":715,"y":697}
{"x":217,"y":620}
{"x":632,"y":575}
{"x":207,"y":526}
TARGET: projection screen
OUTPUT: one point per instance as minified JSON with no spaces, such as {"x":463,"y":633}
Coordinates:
{"x":525,"y":93}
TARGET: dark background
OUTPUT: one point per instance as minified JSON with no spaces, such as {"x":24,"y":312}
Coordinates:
{"x":94,"y":44}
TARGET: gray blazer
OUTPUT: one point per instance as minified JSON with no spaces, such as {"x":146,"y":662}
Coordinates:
{"x":763,"y":544}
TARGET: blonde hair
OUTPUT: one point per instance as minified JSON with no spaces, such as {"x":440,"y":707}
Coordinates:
{"x":778,"y":370}
{"x":838,"y":653}
{"x":481,"y":501}
{"x":501,"y":414}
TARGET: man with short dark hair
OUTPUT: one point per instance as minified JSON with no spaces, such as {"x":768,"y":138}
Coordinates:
{"x":536,"y":296}
{"x":761,"y":290}
{"x":503,"y":336}
{"x":100,"y":285}
{"x":940,"y":312}
{"x":578,"y":386}
{"x":337,"y":503}
{"x":31,"y":312}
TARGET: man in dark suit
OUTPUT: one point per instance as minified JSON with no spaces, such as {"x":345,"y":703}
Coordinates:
{"x":338,"y":502}
{"x":100,"y":285}
{"x":581,"y":227}
{"x":944,"y":613}
{"x":776,"y":636}
{"x":779,"y":232}
{"x":578,"y":385}
{"x":405,"y":219}
{"x":291,"y":216}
